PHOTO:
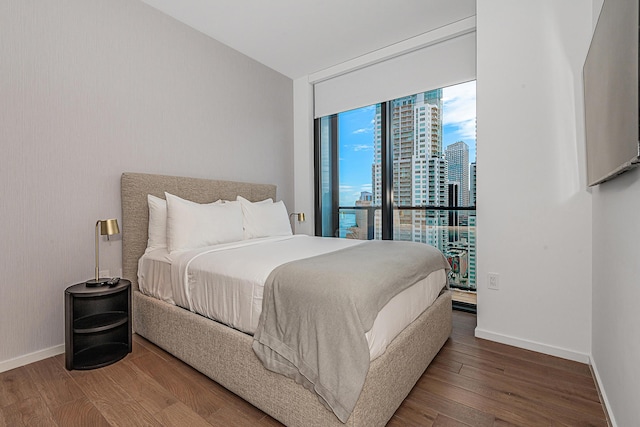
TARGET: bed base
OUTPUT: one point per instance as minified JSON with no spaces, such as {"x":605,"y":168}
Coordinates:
{"x":225,"y":355}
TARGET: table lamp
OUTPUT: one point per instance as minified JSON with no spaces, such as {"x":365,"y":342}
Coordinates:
{"x":104,"y":227}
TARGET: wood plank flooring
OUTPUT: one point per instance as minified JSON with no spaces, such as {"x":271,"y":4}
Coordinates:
{"x":472,"y":382}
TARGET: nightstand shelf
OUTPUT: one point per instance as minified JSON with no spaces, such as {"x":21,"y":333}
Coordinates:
{"x":100,"y":355}
{"x":98,"y":325}
{"x":100,"y":322}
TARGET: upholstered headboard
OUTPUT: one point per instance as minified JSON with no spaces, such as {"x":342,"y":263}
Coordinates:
{"x":134,"y":188}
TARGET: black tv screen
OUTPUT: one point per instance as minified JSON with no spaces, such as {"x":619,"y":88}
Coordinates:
{"x":611,"y":93}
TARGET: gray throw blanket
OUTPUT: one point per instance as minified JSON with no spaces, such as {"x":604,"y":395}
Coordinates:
{"x":316,"y":311}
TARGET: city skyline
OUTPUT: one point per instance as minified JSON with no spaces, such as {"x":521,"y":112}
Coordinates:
{"x":356,"y":136}
{"x":432,"y":138}
{"x":425,"y":173}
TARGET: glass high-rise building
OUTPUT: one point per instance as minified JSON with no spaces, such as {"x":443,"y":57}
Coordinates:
{"x":457,"y":156}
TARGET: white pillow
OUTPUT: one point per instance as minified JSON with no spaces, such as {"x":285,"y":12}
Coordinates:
{"x":239,"y":200}
{"x":157,"y":223}
{"x":264,"y":219}
{"x":193,"y":225}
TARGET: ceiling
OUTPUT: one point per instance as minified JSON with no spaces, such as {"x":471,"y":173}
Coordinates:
{"x":301,"y":37}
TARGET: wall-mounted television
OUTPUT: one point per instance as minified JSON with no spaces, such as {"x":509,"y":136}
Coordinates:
{"x":611,"y":92}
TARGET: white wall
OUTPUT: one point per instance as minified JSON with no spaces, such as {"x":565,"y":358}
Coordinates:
{"x":93,"y":88}
{"x":304,"y":153}
{"x":616,"y":292}
{"x":534,"y":215}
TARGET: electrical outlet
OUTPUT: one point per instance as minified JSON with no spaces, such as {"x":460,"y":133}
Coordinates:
{"x":494,"y":281}
{"x":105,"y":273}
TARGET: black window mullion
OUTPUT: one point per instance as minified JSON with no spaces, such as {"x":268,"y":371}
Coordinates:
{"x":335,"y":175}
{"x":317,"y":156}
{"x":387,"y":172}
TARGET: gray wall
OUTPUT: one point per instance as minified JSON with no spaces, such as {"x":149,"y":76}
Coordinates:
{"x":92,"y":88}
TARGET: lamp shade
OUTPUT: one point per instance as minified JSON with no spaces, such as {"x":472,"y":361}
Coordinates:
{"x":109,"y":227}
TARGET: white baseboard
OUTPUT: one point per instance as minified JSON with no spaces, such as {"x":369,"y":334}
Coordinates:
{"x":603,"y":394}
{"x":36,"y":356}
{"x":533,"y":346}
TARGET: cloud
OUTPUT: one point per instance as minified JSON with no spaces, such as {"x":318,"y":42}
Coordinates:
{"x":459,"y":104}
{"x":363,"y":130}
{"x":362,"y":147}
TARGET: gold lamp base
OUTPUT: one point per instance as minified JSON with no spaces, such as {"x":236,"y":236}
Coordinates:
{"x":93,"y":283}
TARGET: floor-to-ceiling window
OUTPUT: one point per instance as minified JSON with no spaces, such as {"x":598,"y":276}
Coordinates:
{"x":404,"y":170}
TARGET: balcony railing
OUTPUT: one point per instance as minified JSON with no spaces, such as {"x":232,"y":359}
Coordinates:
{"x":450,"y":229}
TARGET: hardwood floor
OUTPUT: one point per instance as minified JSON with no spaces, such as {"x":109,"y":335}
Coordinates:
{"x":471,"y":382}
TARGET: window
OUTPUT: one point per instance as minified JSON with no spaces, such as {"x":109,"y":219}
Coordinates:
{"x":381,"y":173}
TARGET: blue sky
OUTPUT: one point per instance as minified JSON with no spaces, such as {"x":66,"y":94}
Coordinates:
{"x":356,"y":137}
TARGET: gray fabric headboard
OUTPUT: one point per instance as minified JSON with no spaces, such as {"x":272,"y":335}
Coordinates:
{"x":134,"y":188}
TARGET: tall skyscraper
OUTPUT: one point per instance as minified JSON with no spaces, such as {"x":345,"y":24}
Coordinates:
{"x":472,"y":184}
{"x":472,"y":251}
{"x":419,"y":171}
{"x":457,"y":156}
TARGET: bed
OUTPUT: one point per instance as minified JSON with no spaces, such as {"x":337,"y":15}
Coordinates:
{"x":226,"y":355}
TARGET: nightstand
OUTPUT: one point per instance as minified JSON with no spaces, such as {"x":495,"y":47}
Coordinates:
{"x":97,"y":325}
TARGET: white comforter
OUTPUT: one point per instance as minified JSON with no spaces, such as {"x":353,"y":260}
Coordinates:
{"x":225,"y":282}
